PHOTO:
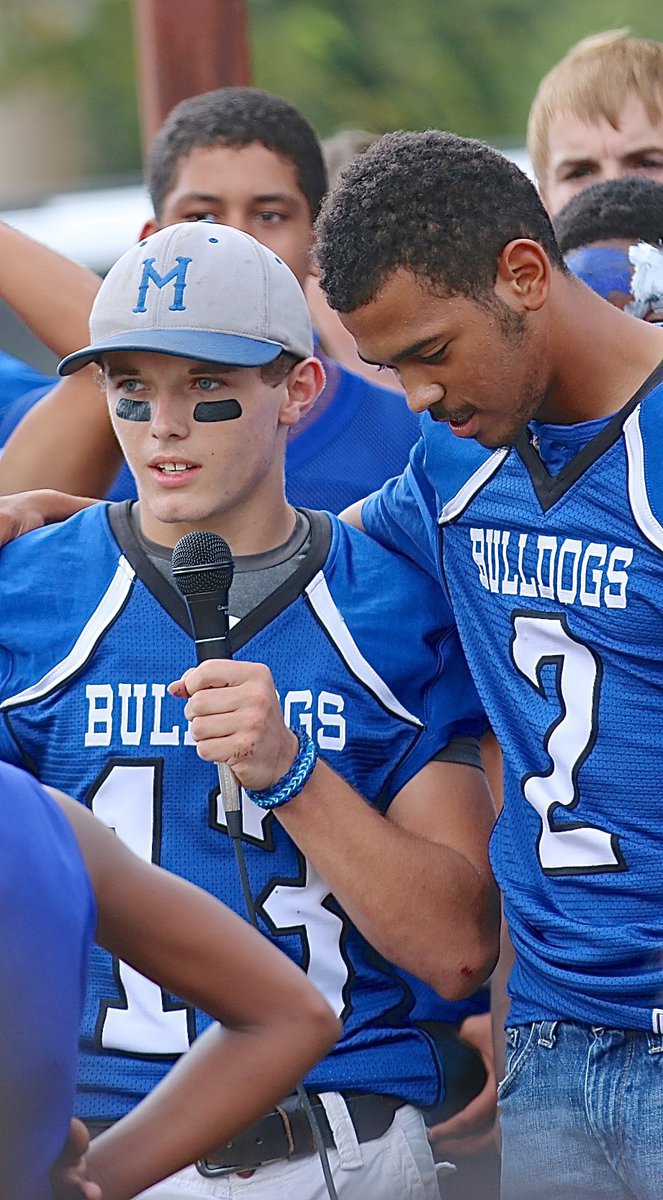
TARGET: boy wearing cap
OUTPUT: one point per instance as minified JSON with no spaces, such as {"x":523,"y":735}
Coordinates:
{"x":205,"y":345}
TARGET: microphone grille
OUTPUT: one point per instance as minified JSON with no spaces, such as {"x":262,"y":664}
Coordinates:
{"x":202,"y":562}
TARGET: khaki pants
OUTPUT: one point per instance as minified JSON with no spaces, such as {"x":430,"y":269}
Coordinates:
{"x":397,"y":1166}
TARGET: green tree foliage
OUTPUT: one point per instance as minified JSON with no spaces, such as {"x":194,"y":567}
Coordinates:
{"x":471,"y":66}
{"x":85,"y":50}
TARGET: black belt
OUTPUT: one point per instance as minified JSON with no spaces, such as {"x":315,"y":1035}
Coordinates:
{"x":285,"y":1132}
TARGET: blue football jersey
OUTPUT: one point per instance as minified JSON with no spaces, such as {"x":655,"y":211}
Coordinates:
{"x":91,"y":634}
{"x":558,"y":593}
{"x":48,"y":921}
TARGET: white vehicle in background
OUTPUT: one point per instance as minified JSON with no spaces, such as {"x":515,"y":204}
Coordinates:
{"x":93,"y":227}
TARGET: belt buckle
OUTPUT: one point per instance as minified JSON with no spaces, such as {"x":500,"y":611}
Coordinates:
{"x":210,"y":1171}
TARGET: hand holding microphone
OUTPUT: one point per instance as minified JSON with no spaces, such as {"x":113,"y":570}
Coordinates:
{"x":236,"y":719}
{"x":233,"y":707}
{"x":203,"y":569}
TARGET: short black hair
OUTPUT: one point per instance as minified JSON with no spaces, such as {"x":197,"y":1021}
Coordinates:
{"x":631,"y":207}
{"x":236,"y":116}
{"x":441,"y":206}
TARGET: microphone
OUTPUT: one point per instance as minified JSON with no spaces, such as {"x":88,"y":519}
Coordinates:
{"x":203,"y":570}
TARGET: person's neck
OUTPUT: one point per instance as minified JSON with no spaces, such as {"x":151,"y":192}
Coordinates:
{"x":247,"y":531}
{"x":603,"y":357}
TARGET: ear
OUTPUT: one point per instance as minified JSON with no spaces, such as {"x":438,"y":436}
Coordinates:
{"x":523,"y":275}
{"x":303,"y":386}
{"x":149,"y":227}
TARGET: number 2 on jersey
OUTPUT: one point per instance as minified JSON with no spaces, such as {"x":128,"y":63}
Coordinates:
{"x":566,"y":847}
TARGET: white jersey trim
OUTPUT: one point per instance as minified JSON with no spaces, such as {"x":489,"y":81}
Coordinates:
{"x":103,"y":616}
{"x":637,"y":485}
{"x":320,"y":599}
{"x":454,"y":507}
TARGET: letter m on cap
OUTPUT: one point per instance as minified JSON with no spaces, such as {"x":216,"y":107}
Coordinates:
{"x":177,"y":275}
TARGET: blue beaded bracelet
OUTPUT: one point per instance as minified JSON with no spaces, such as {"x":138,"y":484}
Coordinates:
{"x":290,"y":784}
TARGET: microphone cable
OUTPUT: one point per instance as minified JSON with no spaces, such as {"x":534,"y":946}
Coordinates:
{"x":203,"y":570}
{"x":234,"y":826}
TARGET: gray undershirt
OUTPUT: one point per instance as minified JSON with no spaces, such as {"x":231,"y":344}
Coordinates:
{"x":256,"y":575}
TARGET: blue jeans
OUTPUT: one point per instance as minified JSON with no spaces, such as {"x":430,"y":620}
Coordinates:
{"x":581,"y":1112}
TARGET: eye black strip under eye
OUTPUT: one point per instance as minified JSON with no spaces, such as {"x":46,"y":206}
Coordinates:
{"x":133,"y":410}
{"x":217,"y":410}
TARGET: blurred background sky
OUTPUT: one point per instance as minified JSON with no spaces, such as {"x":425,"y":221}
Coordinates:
{"x":68,"y":98}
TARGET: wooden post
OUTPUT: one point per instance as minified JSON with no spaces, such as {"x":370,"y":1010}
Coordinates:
{"x":185,"y":47}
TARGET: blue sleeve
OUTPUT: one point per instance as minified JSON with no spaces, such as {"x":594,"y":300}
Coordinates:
{"x":15,"y":412}
{"x":453,"y":709}
{"x":18,"y":377}
{"x":643,"y":435}
{"x":402,"y":515}
{"x":402,"y":624}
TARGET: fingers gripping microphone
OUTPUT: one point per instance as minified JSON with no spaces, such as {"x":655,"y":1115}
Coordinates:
{"x":203,"y":570}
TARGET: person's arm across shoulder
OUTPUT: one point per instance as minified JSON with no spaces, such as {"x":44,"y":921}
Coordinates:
{"x":402,"y":515}
{"x":416,"y":883}
{"x":276,"y":1024}
{"x":25,"y":511}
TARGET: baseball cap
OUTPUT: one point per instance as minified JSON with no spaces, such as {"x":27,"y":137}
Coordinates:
{"x":201,"y":291}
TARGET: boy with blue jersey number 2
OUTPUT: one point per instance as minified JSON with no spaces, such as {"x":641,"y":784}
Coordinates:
{"x":439,"y":256}
{"x":379,"y":855}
